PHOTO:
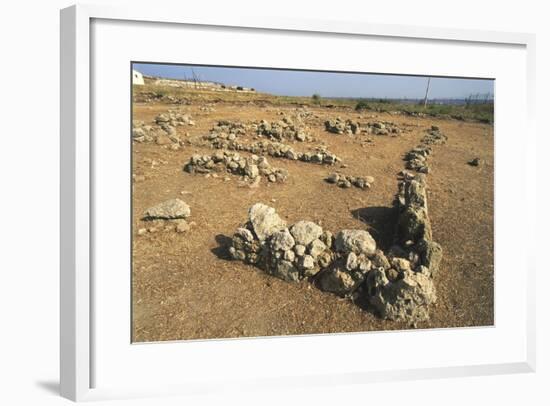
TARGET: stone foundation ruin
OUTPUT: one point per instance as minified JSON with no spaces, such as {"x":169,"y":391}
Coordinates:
{"x":396,"y":285}
{"x":350,"y":127}
{"x":249,"y":168}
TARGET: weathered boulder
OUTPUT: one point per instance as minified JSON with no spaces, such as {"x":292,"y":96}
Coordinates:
{"x":379,"y":260}
{"x":281,"y":240}
{"x":413,"y":223}
{"x":304,"y":232}
{"x":286,"y":271}
{"x":245,"y":246}
{"x":265,"y":221}
{"x":333,"y":178}
{"x":405,"y":298}
{"x":358,"y":241}
{"x":339,"y":280}
{"x":316,"y":248}
{"x":340,"y":126}
{"x":170,"y":209}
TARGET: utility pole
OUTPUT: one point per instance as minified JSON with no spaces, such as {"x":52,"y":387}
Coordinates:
{"x":427,"y":90}
{"x":195,"y":79}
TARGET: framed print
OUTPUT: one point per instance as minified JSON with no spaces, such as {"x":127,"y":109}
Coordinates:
{"x":252,"y":210}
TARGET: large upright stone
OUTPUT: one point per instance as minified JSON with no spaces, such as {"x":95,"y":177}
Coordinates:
{"x":413,"y":223}
{"x":431,"y":254}
{"x":265,"y":221}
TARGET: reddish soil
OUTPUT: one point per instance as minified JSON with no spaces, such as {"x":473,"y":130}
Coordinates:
{"x":185,"y":287}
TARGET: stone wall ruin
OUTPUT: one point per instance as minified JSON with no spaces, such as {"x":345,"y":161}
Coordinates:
{"x":396,"y":284}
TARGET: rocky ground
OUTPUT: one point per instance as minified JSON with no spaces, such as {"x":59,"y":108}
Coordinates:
{"x":207,"y":163}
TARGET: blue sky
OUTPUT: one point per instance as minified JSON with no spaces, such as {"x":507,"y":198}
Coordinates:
{"x":327,"y":84}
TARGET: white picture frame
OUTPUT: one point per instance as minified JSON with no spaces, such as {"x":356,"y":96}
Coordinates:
{"x":76,"y":279}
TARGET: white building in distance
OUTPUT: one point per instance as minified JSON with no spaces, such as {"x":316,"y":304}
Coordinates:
{"x":137,"y":78}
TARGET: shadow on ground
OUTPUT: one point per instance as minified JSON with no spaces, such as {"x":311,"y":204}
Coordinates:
{"x":382,"y":222}
{"x":222,"y":250}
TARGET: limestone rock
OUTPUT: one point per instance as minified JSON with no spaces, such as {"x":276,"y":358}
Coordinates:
{"x":405,"y":298}
{"x":304,"y":232}
{"x":333,"y":178}
{"x":265,"y":221}
{"x":379,"y":260}
{"x":358,"y":241}
{"x":300,"y":250}
{"x":170,"y":209}
{"x":282,"y":240}
{"x":316,"y":247}
{"x":339,"y":281}
{"x":182,"y":226}
{"x":431,"y":254}
{"x":286,"y":271}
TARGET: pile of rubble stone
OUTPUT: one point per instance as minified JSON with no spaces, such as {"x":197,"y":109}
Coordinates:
{"x":163,"y":131}
{"x":434,"y":136}
{"x":161,"y":135}
{"x":417,"y":158}
{"x":249,"y":168}
{"x":340,"y":126}
{"x":382,"y":128}
{"x":173,"y":118}
{"x":285,"y":129}
{"x":229,"y":130}
{"x":319,"y":155}
{"x":347,"y":181}
{"x":348,"y":264}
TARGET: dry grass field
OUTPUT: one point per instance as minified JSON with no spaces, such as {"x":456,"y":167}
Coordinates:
{"x":184,"y":284}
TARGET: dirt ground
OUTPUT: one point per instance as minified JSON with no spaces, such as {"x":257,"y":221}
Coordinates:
{"x":185,"y":286}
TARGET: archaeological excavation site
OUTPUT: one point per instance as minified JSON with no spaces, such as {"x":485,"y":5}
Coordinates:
{"x":260,"y":212}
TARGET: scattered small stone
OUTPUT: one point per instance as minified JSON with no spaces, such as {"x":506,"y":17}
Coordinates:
{"x":475,"y":162}
{"x":345,"y":181}
{"x":182,"y":226}
{"x":333,"y":178}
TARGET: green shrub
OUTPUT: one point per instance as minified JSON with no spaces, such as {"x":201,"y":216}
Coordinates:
{"x":362,"y":105}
